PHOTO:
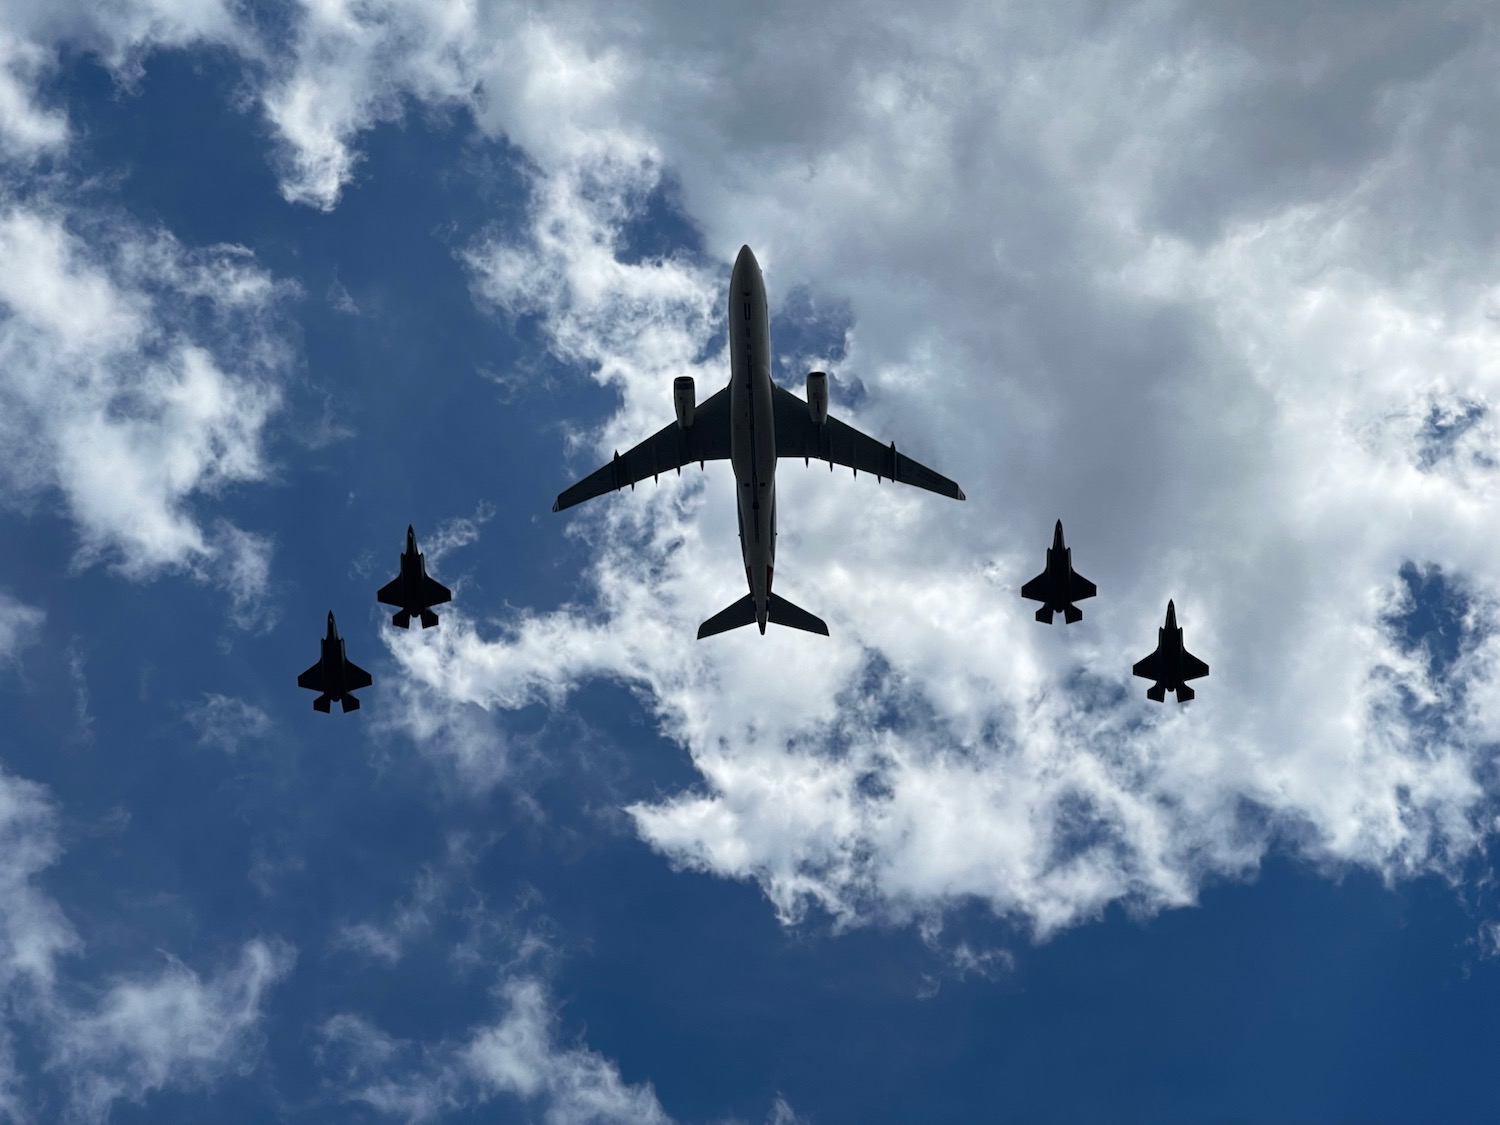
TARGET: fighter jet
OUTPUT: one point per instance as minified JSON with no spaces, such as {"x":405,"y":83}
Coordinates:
{"x":752,"y":423}
{"x":1171,"y":665}
{"x":334,"y":675}
{"x":412,"y":590}
{"x":1059,"y":586}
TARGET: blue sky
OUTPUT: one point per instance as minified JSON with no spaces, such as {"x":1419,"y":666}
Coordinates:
{"x":1214,"y":286}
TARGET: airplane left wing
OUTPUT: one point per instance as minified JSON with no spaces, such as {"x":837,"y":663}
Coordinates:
{"x":671,"y":447}
{"x":1148,"y":667}
{"x":841,"y":444}
{"x":391,"y":592}
{"x":313,"y":678}
{"x":355,"y":677}
{"x":1036,"y":589}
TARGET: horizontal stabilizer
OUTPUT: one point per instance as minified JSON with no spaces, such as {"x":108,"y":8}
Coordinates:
{"x":401,"y":619}
{"x":734,"y":616}
{"x":1158,"y":692}
{"x":322,"y":703}
{"x":1184,"y":693}
{"x":1072,"y":613}
{"x":1044,"y":615}
{"x":429,"y":619}
{"x":350,"y":704}
{"x":783,"y":612}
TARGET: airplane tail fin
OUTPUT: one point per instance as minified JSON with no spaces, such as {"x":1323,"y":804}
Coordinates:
{"x":322,"y":703}
{"x":429,"y":619}
{"x":783,"y":612}
{"x":779,"y":612}
{"x":1158,"y":692}
{"x":350,"y":704}
{"x":1044,"y":615}
{"x":733,"y":616}
{"x":401,"y":620}
{"x":1072,"y":613}
{"x":1184,"y":693}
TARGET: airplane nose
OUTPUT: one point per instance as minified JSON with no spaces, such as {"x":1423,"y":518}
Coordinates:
{"x":746,"y":262}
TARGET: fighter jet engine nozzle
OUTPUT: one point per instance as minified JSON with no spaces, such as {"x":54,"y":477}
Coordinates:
{"x":684,"y":398}
{"x":817,"y":396}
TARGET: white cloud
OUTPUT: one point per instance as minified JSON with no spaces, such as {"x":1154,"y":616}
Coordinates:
{"x":169,"y":1029}
{"x":19,"y":624}
{"x":141,"y":1033}
{"x":519,"y":1056}
{"x":226,"y":722}
{"x":138,"y":378}
{"x":1084,"y":281}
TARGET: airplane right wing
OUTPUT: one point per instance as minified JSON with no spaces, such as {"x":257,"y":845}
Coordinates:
{"x":313,"y":678}
{"x":1192,"y":667}
{"x":1080,"y":587}
{"x":671,"y":447}
{"x":841,"y":444}
{"x":434,"y":592}
{"x":1149,"y":667}
{"x":1036,"y":589}
{"x":355,"y":677}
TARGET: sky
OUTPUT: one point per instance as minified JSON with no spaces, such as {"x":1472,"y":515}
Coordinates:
{"x":1215,"y":284}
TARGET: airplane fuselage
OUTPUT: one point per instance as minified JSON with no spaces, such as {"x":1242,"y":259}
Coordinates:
{"x":333,"y":666}
{"x":752,"y":427}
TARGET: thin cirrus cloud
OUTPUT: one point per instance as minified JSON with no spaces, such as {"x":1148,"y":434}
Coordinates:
{"x":168,"y":1028}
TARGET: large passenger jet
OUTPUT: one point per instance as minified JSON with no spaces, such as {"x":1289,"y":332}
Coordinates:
{"x":752,"y":423}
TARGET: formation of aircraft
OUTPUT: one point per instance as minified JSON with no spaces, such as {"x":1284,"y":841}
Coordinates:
{"x":753,"y":424}
{"x":335,"y":676}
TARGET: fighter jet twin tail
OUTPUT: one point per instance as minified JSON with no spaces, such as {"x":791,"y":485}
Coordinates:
{"x":752,"y":423}
{"x":335,"y":677}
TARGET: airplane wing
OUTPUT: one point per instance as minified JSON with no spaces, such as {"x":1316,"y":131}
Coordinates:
{"x":355,"y":677}
{"x":1149,"y":667}
{"x":435,"y":593}
{"x":1080,"y":587}
{"x":390,"y":593}
{"x":842,"y":444}
{"x":671,"y":447}
{"x":313,"y":678}
{"x":1192,"y":667}
{"x":1036,"y":589}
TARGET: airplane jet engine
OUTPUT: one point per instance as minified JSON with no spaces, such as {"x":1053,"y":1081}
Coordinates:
{"x":817,"y":396}
{"x":684,"y":398}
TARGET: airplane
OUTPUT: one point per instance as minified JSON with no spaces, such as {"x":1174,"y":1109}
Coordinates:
{"x":412,"y":590}
{"x":1059,"y":585}
{"x":1171,"y":665}
{"x":335,"y":675}
{"x":752,"y":423}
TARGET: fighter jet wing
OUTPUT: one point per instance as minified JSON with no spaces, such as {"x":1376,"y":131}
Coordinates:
{"x":434,"y":592}
{"x":842,"y":444}
{"x":1149,"y":667}
{"x":1036,"y":589}
{"x":355,"y":677}
{"x":313,"y":678}
{"x":671,"y":447}
{"x":391,"y":592}
{"x":1080,"y":587}
{"x":1192,"y":667}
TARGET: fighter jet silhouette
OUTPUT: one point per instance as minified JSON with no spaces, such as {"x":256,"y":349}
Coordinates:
{"x":1059,"y":586}
{"x":334,"y":675}
{"x":412,"y":590}
{"x":1171,"y":665}
{"x":752,"y":423}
